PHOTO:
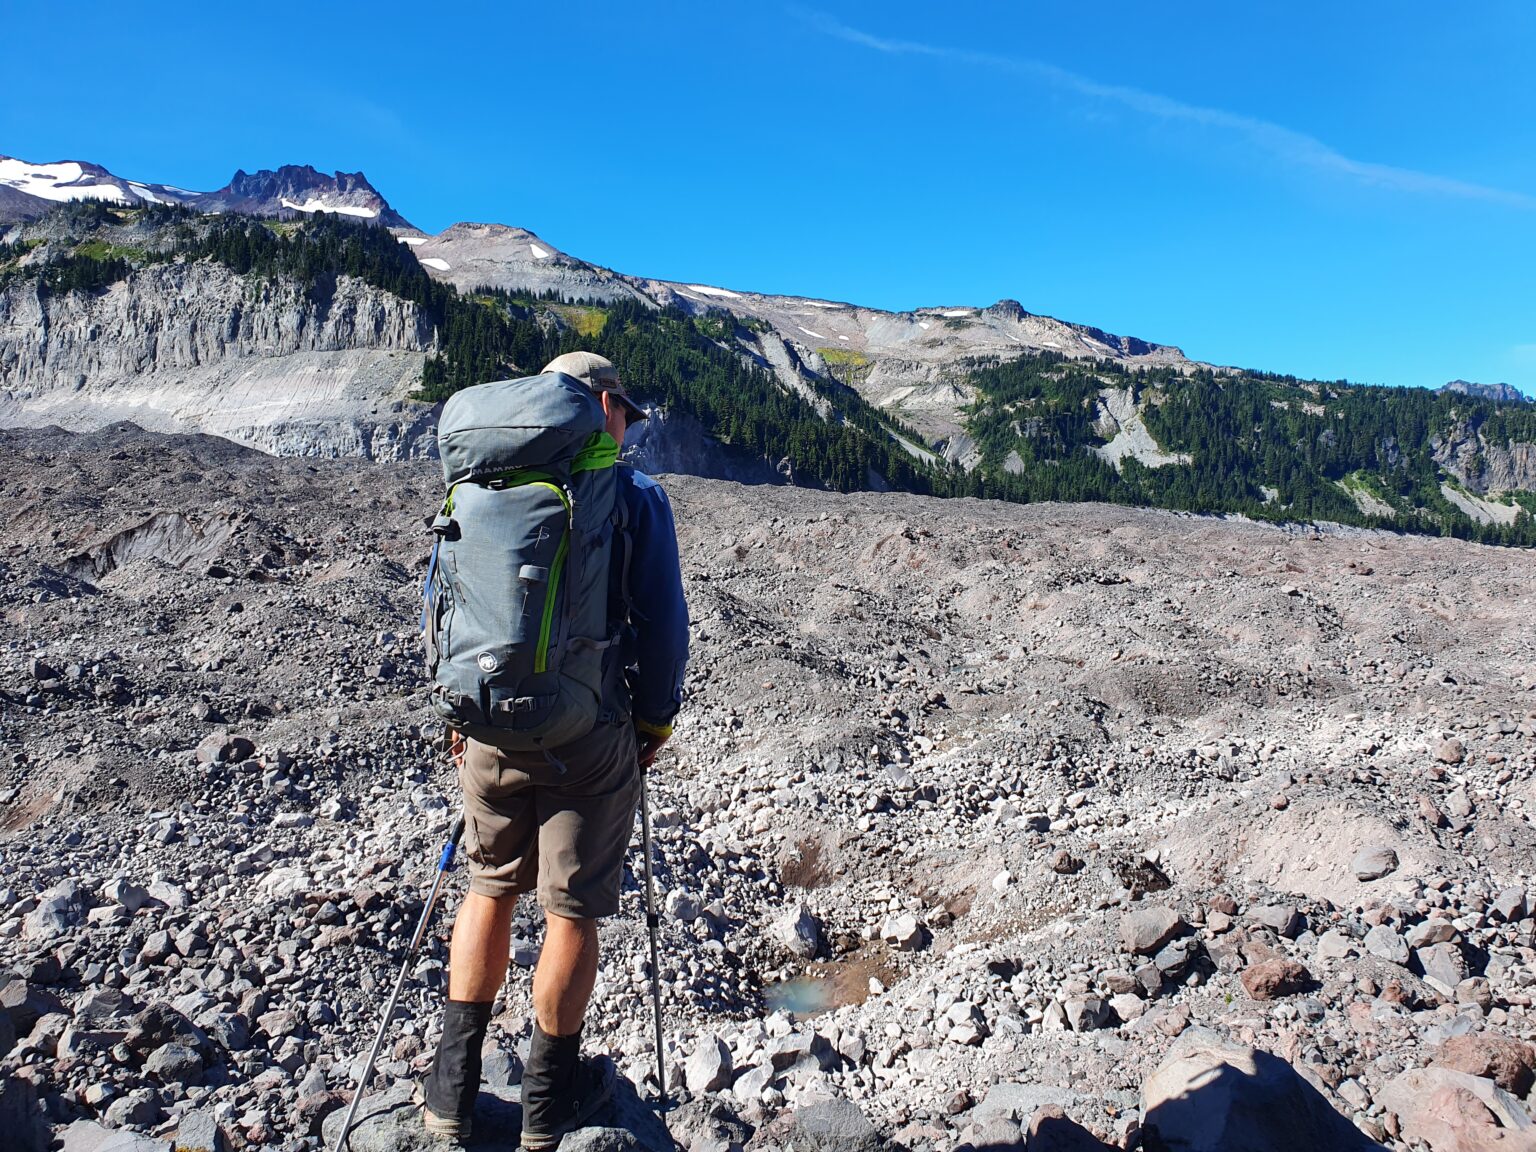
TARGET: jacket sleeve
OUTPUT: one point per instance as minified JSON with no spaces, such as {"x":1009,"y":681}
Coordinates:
{"x":657,"y":609}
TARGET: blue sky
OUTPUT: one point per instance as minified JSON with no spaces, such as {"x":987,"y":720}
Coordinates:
{"x":1330,"y":190}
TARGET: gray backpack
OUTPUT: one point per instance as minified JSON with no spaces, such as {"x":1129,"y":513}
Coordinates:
{"x":516,"y":612}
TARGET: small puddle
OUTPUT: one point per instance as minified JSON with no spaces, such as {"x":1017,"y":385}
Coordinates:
{"x":828,"y":986}
{"x":804,"y":996}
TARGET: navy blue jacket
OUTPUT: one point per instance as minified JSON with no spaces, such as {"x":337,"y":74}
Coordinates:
{"x":657,"y":648}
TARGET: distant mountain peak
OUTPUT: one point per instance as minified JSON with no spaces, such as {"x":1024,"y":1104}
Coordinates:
{"x":1501,"y":393}
{"x":302,"y":188}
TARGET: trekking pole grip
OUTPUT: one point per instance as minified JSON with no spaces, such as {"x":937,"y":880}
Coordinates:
{"x":445,"y":861}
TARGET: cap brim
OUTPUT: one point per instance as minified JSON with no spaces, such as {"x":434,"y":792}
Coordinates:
{"x":635,"y":412}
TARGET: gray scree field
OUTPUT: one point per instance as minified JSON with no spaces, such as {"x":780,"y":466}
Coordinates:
{"x":983,"y":824}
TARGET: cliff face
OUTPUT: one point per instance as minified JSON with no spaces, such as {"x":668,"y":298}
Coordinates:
{"x":194,"y":347}
{"x":1482,"y":466}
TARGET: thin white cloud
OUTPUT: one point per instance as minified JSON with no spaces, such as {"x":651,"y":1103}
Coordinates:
{"x":1284,"y":143}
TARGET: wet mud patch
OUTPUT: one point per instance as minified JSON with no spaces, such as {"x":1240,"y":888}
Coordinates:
{"x":834,"y":984}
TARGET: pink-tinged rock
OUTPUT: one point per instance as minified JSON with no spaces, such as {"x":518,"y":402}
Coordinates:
{"x":1511,"y":1064}
{"x":1272,"y":979}
{"x":1453,"y":1112}
{"x":1452,"y":751}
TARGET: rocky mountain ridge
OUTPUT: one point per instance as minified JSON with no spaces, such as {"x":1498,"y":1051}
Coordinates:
{"x":140,"y":344}
{"x":1504,"y":393}
{"x":29,"y":190}
{"x":910,"y":363}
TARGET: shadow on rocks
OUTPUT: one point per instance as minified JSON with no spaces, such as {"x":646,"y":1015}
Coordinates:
{"x":1213,"y":1095}
{"x":390,"y":1121}
{"x":1048,"y":1130}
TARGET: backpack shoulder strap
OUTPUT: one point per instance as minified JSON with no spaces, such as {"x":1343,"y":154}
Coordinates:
{"x":624,"y":541}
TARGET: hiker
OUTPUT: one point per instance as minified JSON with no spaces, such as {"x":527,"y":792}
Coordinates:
{"x":558,"y":820}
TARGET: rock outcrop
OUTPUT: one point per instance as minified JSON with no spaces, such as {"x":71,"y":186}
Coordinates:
{"x":1482,"y":465}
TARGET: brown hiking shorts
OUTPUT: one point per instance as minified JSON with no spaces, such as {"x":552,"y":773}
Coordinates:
{"x":528,"y":825}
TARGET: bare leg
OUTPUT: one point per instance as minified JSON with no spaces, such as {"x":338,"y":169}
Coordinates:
{"x":562,"y":983}
{"x":482,"y":941}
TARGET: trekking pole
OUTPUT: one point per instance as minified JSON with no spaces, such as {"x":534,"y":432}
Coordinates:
{"x":444,"y":862}
{"x":652,"y":922}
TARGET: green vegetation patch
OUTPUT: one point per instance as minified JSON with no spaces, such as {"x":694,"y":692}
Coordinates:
{"x":101,"y":250}
{"x":586,"y":320}
{"x":843,"y":358}
{"x":716,"y":324}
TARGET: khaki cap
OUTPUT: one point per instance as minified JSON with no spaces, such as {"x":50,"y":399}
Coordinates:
{"x":598,"y":374}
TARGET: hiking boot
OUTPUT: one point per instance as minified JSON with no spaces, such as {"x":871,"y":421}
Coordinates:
{"x":450,"y":1127}
{"x":448,"y":1095}
{"x":561,"y":1091}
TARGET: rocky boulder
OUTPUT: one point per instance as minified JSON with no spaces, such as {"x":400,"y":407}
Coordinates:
{"x":798,"y":931}
{"x":1451,"y":1110}
{"x":26,"y":1003}
{"x":832,"y":1126}
{"x":1271,"y":979}
{"x":1145,"y":931}
{"x":1372,"y":863}
{"x":1213,"y":1095}
{"x":1511,"y":1064}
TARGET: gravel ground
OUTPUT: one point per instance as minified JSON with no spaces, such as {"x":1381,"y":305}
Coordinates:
{"x":979,"y":820}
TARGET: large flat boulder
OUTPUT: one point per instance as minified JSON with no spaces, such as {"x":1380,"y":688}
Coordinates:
{"x":1214,"y":1095}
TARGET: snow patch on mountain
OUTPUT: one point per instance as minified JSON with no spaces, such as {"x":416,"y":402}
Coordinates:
{"x":412,"y":241}
{"x":57,"y":182}
{"x":436,"y":262}
{"x":539,"y":253}
{"x":704,"y":290}
{"x":314,"y":204}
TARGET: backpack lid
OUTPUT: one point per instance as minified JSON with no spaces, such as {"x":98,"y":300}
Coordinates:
{"x":530,"y":422}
